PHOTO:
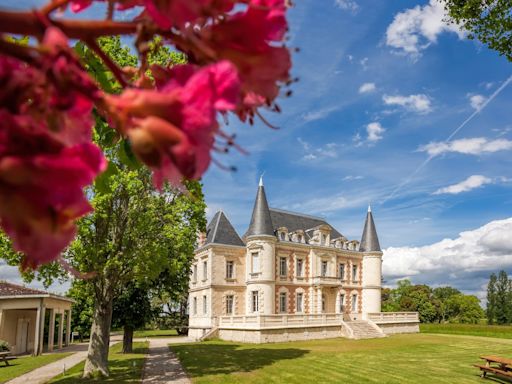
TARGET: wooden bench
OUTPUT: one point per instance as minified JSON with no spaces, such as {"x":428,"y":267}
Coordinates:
{"x":502,"y":366}
{"x":6,"y":356}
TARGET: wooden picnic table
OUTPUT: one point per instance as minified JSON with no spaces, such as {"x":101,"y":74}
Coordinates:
{"x":496,"y":364}
{"x":5,"y":356}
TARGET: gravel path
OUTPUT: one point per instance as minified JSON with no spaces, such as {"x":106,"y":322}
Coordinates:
{"x":162,"y":366}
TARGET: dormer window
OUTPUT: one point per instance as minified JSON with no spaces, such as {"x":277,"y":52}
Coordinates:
{"x":282,"y":236}
{"x":324,"y":239}
{"x":299,"y":238}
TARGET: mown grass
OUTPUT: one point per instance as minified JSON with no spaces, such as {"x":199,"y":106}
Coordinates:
{"x":155,"y":333}
{"x":498,"y":331}
{"x":124,"y":368}
{"x":416,"y":358}
{"x":26,"y":364}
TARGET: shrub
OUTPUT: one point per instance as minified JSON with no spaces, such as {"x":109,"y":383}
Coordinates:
{"x":4,"y":346}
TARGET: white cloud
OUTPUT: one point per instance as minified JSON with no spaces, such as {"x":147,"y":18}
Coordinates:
{"x":347,"y":5}
{"x":476,"y":101}
{"x":326,"y":151}
{"x":374,"y":131}
{"x":473,"y":146}
{"x":487,"y":248}
{"x":364,"y":63}
{"x":367,"y":88}
{"x":414,"y":29}
{"x":319,"y":114}
{"x":419,"y":103}
{"x":472,"y":182}
{"x":353,"y":177}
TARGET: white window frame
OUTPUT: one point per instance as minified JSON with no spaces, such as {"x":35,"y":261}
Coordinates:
{"x":205,"y":305}
{"x":255,"y":301}
{"x":282,"y":302}
{"x":230,"y":304}
{"x":354,"y":302}
{"x":324,"y":267}
{"x":255,"y":266}
{"x":341,"y":271}
{"x":342,"y":302}
{"x":283,"y":268}
{"x":194,"y":305}
{"x":299,"y":304}
{"x":354,"y":272}
{"x":205,"y":270}
{"x":324,"y":303}
{"x":230,"y":269}
{"x":194,"y":274}
{"x":299,"y":271}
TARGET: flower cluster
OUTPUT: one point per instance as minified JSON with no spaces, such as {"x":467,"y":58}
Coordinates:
{"x":237,"y":63}
{"x":46,"y":154}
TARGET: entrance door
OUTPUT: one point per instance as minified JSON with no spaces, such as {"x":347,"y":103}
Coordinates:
{"x":22,"y":336}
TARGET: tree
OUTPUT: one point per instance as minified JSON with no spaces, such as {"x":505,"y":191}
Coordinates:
{"x":441,"y":295}
{"x":502,"y":298}
{"x":131,"y":310}
{"x":82,"y":307}
{"x":491,"y":299}
{"x":489,"y":21}
{"x":464,"y":309}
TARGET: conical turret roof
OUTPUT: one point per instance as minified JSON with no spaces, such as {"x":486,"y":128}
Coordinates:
{"x":370,"y":240}
{"x":221,"y":231}
{"x":261,"y":223}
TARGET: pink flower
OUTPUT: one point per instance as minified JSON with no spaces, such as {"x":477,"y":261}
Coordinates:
{"x":251,"y":40}
{"x":46,"y":154}
{"x":172,"y":129}
{"x":176,"y":13}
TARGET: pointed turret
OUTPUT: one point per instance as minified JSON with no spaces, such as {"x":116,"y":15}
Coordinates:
{"x":261,"y":223}
{"x":370,"y":240}
{"x":221,"y":231}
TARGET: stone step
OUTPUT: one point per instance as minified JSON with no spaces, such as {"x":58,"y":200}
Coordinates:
{"x":363,"y":330}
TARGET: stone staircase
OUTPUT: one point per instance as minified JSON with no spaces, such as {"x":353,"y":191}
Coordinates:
{"x":361,"y":329}
{"x":212,"y":333}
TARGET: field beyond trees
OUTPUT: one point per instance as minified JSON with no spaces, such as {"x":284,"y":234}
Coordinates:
{"x":499,"y":331}
{"x":400,"y":359}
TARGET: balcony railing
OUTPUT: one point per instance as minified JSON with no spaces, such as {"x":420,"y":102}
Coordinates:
{"x":329,"y":280}
{"x":394,"y":317}
{"x":280,"y":321}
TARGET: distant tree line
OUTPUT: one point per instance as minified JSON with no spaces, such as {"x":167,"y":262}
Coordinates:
{"x":499,"y":299}
{"x":434,"y":305}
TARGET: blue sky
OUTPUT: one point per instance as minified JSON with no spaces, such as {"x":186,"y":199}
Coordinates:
{"x":382,"y":85}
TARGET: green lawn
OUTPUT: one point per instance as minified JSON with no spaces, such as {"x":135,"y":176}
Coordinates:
{"x":416,"y":358}
{"x":499,"y":331}
{"x":26,"y":364}
{"x":124,"y":369}
{"x":156,"y":333}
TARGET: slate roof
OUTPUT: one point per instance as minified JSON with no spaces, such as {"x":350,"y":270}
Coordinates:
{"x":294,"y":221}
{"x":261,"y":222}
{"x":370,"y":240}
{"x":221,"y":231}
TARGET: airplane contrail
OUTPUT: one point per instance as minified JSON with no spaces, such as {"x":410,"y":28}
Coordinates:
{"x":464,"y":123}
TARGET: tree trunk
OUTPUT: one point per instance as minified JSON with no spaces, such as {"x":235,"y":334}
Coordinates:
{"x":96,"y":363}
{"x":127,"y":339}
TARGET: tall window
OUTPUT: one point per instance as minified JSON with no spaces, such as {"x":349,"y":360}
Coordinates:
{"x":299,"y":306}
{"x":354,"y":272}
{"x":324,"y":268}
{"x":282,"y":236}
{"x":282,"y":266}
{"x":282,"y":302}
{"x":341,"y":272}
{"x":324,"y":239}
{"x":255,"y":301}
{"x":342,"y":303}
{"x":205,"y":305}
{"x":255,"y":262}
{"x":205,"y":270}
{"x":323,"y":303}
{"x":194,"y":275}
{"x":194,"y":306}
{"x":299,"y":238}
{"x":300,"y":263}
{"x":230,"y":269}
{"x":229,"y":304}
{"x":354,"y":303}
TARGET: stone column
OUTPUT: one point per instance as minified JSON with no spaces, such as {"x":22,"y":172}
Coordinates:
{"x":61,"y":330}
{"x":39,"y":331}
{"x":51,"y":330}
{"x":68,"y":327}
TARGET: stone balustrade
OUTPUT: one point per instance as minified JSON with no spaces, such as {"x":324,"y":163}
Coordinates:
{"x":393,"y":317}
{"x":279,"y":321}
